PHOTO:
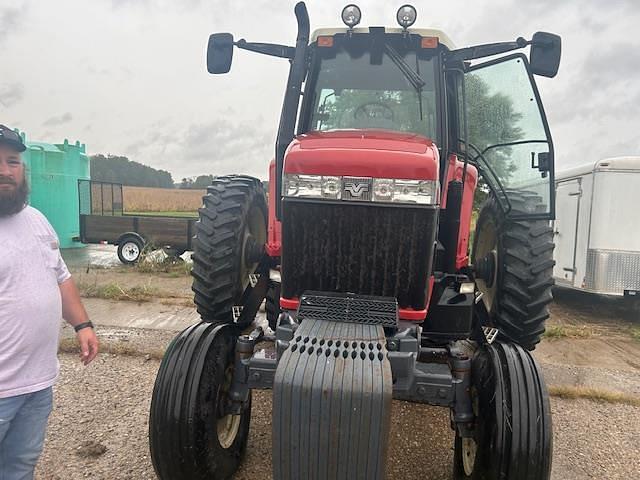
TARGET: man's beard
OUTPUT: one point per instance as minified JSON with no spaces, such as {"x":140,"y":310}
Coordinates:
{"x":12,"y":202}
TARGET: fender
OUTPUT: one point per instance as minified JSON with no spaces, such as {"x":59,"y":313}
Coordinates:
{"x":135,"y":235}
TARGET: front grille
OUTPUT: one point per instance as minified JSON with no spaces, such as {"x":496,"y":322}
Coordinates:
{"x":353,"y":248}
{"x":336,"y":307}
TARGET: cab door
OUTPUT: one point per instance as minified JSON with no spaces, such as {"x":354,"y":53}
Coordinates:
{"x":508,"y":136}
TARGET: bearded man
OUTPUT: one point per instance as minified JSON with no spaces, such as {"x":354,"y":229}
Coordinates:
{"x":36,"y":290}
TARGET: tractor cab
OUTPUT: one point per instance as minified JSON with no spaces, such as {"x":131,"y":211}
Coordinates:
{"x":362,"y":256}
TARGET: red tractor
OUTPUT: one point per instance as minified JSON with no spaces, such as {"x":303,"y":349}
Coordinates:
{"x":386,"y":137}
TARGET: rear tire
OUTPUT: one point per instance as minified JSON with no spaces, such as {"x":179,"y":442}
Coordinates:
{"x":230,"y":236}
{"x":512,"y":437}
{"x":190,"y":438}
{"x":516,"y":257}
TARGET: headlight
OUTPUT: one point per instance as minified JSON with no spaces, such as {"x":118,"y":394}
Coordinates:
{"x":379,"y":190}
{"x":312,"y":186}
{"x":414,"y":191}
{"x":303,"y":186}
{"x":382,"y":190}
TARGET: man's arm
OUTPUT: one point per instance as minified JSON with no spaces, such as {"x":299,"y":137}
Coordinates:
{"x":74,"y":313}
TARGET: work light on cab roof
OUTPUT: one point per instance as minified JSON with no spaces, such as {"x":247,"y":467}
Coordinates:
{"x":406,"y":16}
{"x":351,"y":15}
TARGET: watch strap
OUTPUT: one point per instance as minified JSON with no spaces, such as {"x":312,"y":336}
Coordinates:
{"x":80,"y":326}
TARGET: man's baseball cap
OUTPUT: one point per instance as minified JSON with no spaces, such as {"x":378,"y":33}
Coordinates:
{"x":11,"y":138}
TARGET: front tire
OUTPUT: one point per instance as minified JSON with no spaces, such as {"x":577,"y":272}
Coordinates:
{"x":514,"y":268}
{"x":228,"y":247}
{"x":190,"y":437}
{"x":512,"y":438}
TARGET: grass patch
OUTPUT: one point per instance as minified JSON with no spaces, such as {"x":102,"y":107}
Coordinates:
{"x":113,"y":291}
{"x":179,"y":301}
{"x":172,"y":269}
{"x":553,"y":332}
{"x":70,"y":345}
{"x":635,"y":333}
{"x":594,"y":394}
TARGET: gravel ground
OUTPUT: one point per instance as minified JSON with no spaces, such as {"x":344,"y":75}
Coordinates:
{"x":99,"y":430}
{"x":99,"y":426}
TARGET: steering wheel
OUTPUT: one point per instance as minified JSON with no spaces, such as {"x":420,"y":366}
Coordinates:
{"x":373,"y":111}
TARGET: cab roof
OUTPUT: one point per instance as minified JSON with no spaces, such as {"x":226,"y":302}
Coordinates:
{"x":443,"y":38}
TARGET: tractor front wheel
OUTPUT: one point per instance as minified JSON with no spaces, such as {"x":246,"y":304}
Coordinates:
{"x":191,"y":434}
{"x":512,"y":436}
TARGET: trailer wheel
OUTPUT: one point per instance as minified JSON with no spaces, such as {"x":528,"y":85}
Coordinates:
{"x":513,"y":260}
{"x":512,"y":437}
{"x":272,"y":304}
{"x":129,"y":250}
{"x":190,"y":436}
{"x":229,"y":244}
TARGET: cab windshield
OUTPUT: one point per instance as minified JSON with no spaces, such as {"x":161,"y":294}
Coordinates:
{"x":358,"y":86}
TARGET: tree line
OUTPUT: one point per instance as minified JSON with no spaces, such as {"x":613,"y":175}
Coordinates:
{"x":118,"y":169}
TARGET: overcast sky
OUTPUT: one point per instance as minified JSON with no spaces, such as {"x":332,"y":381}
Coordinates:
{"x":128,"y":77}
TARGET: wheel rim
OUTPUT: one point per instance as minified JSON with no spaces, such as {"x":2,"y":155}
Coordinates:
{"x":469,"y":450}
{"x":130,"y":251}
{"x":487,"y":244}
{"x":228,"y":427}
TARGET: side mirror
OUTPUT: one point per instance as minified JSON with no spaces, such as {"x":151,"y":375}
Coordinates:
{"x":219,"y":53}
{"x":545,"y":54}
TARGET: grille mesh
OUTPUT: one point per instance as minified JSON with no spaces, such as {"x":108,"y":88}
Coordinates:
{"x":349,"y":309}
{"x":353,"y":248}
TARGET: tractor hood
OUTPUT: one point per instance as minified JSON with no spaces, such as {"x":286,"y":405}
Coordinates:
{"x":363,"y":153}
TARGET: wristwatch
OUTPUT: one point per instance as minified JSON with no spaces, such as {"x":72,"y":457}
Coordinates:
{"x":80,"y":326}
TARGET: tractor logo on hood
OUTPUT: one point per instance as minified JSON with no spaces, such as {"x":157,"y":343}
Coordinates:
{"x":357,"y":188}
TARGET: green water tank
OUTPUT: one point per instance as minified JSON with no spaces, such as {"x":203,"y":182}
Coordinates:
{"x":53,"y":171}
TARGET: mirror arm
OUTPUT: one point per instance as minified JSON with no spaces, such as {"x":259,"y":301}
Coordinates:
{"x":485,"y":50}
{"x":271,"y":49}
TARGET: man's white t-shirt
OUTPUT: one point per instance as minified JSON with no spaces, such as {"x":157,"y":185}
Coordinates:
{"x":31,"y":269}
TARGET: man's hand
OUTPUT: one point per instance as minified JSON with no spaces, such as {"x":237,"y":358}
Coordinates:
{"x":88,"y":345}
{"x":73,"y":312}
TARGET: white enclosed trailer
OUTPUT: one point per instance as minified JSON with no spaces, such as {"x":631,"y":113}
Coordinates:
{"x":597,"y":227}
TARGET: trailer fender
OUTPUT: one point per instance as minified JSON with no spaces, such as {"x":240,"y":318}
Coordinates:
{"x":126,"y":235}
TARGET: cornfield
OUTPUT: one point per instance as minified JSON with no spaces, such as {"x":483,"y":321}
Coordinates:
{"x":143,"y":199}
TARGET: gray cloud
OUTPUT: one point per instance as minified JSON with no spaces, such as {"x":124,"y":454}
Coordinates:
{"x":58,"y":120}
{"x":11,"y":94}
{"x":215,"y":147}
{"x":9,"y":21}
{"x":619,"y":63}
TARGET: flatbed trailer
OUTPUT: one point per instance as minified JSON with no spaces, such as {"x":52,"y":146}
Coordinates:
{"x":103,"y":220}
